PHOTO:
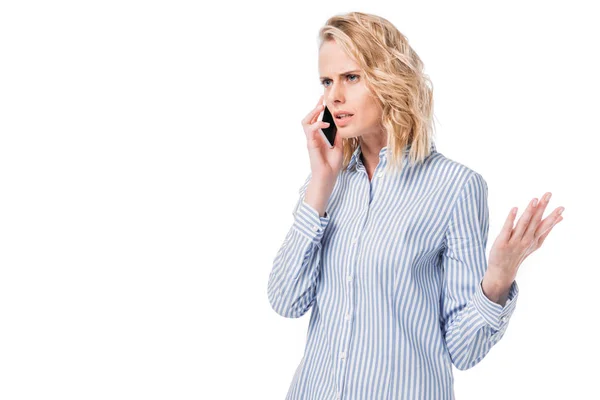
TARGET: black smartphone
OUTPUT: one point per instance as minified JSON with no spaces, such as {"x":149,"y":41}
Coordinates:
{"x":329,"y":132}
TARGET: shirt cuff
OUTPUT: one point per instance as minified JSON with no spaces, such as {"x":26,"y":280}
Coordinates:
{"x":493,"y":313}
{"x":309,"y":223}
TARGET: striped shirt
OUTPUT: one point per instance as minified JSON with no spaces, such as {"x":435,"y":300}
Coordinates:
{"x":393,"y":274}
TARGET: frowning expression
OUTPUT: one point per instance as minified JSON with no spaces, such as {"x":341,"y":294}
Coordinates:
{"x":345,"y":91}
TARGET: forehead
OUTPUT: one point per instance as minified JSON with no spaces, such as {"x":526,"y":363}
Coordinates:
{"x":333,"y":60}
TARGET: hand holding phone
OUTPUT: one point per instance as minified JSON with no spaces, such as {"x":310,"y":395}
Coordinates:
{"x":323,"y":144}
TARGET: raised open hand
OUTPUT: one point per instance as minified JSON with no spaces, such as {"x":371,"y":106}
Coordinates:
{"x":514,"y":245}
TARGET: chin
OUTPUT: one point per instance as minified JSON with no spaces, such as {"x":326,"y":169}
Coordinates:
{"x":346,"y":135}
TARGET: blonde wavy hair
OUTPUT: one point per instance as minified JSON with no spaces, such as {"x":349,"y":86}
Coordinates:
{"x":394,"y":74}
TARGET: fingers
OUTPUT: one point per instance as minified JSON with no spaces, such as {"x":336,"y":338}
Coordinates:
{"x":538,"y":212}
{"x":319,"y":124}
{"x":529,"y":225}
{"x":310,"y":117}
{"x":545,"y":234}
{"x":523,"y":222}
{"x":509,"y":223}
{"x":550,"y":221}
{"x":319,"y":109}
{"x":314,"y":130}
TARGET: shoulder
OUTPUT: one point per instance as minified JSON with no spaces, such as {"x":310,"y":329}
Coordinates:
{"x":455,"y":173}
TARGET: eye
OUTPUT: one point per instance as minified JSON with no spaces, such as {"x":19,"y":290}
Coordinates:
{"x":347,"y":76}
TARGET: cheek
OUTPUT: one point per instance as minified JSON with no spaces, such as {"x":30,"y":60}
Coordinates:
{"x":371,"y":114}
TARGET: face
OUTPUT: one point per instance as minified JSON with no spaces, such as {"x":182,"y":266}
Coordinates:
{"x":348,"y":92}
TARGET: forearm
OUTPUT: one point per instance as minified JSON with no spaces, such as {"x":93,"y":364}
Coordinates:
{"x":317,"y":194}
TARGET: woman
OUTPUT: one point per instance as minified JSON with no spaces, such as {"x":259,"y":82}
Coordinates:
{"x":389,"y":236}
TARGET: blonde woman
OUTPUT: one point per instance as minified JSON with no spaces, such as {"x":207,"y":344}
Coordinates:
{"x":389,"y":236}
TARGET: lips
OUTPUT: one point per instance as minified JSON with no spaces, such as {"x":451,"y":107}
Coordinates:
{"x":341,"y":112}
{"x":343,"y":121}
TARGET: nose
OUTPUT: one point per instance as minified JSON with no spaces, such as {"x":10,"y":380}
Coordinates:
{"x":335,"y":95}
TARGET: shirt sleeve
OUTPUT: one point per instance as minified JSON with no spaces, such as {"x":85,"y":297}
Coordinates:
{"x":296,"y":267}
{"x":472,"y":324}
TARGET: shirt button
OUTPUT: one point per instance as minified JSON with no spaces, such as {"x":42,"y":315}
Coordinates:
{"x":315,"y":228}
{"x":343,"y":355}
{"x":504,"y":319}
{"x":380,"y":174}
{"x":354,"y":240}
{"x":349,"y":278}
{"x":347,"y":316}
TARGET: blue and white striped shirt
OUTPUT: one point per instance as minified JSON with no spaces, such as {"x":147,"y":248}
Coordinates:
{"x":393,"y":274}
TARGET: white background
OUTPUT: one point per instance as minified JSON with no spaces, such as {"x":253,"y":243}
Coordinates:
{"x":151,"y":155}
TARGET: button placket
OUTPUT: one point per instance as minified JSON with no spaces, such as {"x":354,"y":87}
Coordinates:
{"x":346,"y":333}
{"x":348,"y":315}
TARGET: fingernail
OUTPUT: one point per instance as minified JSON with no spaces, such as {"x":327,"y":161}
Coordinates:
{"x":534,"y":203}
{"x":548,"y":197}
{"x":560,"y":211}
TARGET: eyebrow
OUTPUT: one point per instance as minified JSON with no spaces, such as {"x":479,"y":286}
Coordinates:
{"x":342,"y":74}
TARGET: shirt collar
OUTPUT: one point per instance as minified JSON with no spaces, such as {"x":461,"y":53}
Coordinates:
{"x":382,"y":154}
